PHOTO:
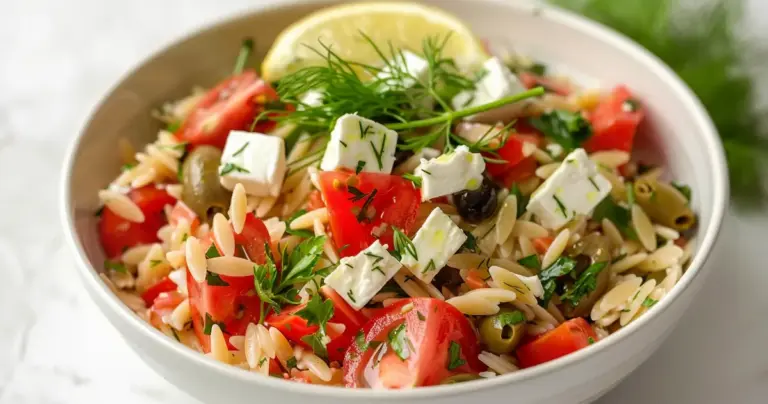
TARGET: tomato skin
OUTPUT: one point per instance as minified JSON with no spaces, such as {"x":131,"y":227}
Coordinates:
{"x":315,"y":200}
{"x":614,"y":127}
{"x":396,"y":203}
{"x":431,"y":327}
{"x":294,"y":328}
{"x":164,"y":285}
{"x":118,"y":234}
{"x":231,"y":105}
{"x":253,"y":238}
{"x":163,"y":305}
{"x":518,"y":166}
{"x":541,"y":244}
{"x":569,"y":337}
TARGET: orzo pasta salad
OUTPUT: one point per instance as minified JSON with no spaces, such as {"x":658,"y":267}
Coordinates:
{"x":410,"y":222}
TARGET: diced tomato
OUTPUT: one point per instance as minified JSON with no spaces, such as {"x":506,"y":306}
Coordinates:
{"x":231,"y":105}
{"x":395,"y":203}
{"x":522,"y":171}
{"x":163,"y":305}
{"x":234,"y":306}
{"x":531,"y":80}
{"x":164,"y":285}
{"x":541,"y":244}
{"x":315,"y":200}
{"x":295,"y":328}
{"x":181,"y":212}
{"x":615,"y":121}
{"x":118,"y":234}
{"x":569,"y":337}
{"x":440,"y":342}
{"x":475,"y":280}
{"x":253,"y":238}
{"x":518,"y":166}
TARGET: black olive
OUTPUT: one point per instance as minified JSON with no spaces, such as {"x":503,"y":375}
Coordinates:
{"x":401,"y":156}
{"x":448,"y":277}
{"x":479,"y":204}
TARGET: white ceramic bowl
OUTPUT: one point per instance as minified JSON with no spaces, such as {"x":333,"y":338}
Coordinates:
{"x":678,"y":133}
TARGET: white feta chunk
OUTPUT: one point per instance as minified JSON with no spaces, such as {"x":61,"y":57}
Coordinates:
{"x":312,"y":98}
{"x":576,"y":187}
{"x":435,"y":242}
{"x":358,"y":279}
{"x":357,"y":140}
{"x":415,"y":67}
{"x":255,"y":160}
{"x":496,"y":83}
{"x":450,"y":173}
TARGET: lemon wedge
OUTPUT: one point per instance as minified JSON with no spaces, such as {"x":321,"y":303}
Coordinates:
{"x":404,"y":25}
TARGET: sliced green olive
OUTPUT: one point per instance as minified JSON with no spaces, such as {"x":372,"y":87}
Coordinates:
{"x":460,"y":378}
{"x":664,"y":204}
{"x":593,"y":248}
{"x":502,"y":332}
{"x":202,"y":191}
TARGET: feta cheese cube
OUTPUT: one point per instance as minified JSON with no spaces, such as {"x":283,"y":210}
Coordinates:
{"x":357,"y":279}
{"x":435,"y":242}
{"x":450,"y":173}
{"x":410,"y":63}
{"x":355,"y":139}
{"x":576,"y":187}
{"x":255,"y":160}
{"x":497,"y":82}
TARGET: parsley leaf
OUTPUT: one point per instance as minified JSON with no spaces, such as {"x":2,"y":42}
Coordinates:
{"x":212,"y":252}
{"x":617,"y":214}
{"x":648,"y":302}
{"x":213,"y":279}
{"x":562,"y":266}
{"x":315,"y":341}
{"x":531,"y":262}
{"x":454,"y":356}
{"x":684,"y":189}
{"x":583,"y":286}
{"x":360,"y":341}
{"x":291,"y":363}
{"x":304,"y":233}
{"x":317,"y":312}
{"x":568,"y":129}
{"x":115,"y":266}
{"x":208,"y":326}
{"x":399,"y":342}
{"x":508,"y":318}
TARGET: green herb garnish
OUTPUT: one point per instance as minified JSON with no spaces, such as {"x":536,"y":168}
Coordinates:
{"x":648,"y":302}
{"x":317,"y":312}
{"x":115,"y":266}
{"x":509,"y":318}
{"x":229,"y":168}
{"x":530,"y":262}
{"x":403,"y":245}
{"x":583,"y":286}
{"x":213,"y":279}
{"x":359,"y":167}
{"x":470,"y":244}
{"x":212,"y":252}
{"x":568,"y":129}
{"x":454,"y":356}
{"x":684,"y":189}
{"x":208,"y":325}
{"x":399,"y":342}
{"x":415,"y":179}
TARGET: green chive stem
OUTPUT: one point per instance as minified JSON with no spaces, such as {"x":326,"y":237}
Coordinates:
{"x":242,"y":58}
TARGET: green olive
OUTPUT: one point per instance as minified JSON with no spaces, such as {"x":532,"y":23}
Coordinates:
{"x":460,"y":378}
{"x":202,"y":191}
{"x":664,"y":204}
{"x":502,"y":332}
{"x":593,"y":248}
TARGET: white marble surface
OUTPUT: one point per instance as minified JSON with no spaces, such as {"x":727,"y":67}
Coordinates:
{"x":57,"y":58}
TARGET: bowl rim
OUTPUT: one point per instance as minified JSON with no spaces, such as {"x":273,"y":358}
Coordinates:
{"x":614,"y":39}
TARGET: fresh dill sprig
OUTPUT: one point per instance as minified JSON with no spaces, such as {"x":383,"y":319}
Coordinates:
{"x":702,"y":43}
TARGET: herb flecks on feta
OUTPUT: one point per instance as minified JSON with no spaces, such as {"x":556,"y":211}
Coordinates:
{"x":355,"y":139}
{"x":435,"y":242}
{"x":450,"y":173}
{"x":357,"y":279}
{"x":255,"y":160}
{"x":575,"y":188}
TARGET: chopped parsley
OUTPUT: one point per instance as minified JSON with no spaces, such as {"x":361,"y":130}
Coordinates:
{"x":590,"y":340}
{"x":568,"y":129}
{"x":212,"y":252}
{"x":561,"y":267}
{"x":262,"y":361}
{"x":208,"y":326}
{"x":213,"y":279}
{"x":241,"y":149}
{"x":127,"y":166}
{"x":617,"y":214}
{"x":415,"y":179}
{"x":317,"y":312}
{"x":454,"y":356}
{"x":583,"y":286}
{"x":360,"y":166}
{"x":470,"y":244}
{"x":229,"y":168}
{"x":304,"y":233}
{"x":154,"y":263}
{"x":522,"y":200}
{"x":648,"y":302}
{"x":360,"y":341}
{"x":508,"y":318}
{"x":531,"y":262}
{"x":399,"y":342}
{"x":684,"y":189}
{"x":115,"y":266}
